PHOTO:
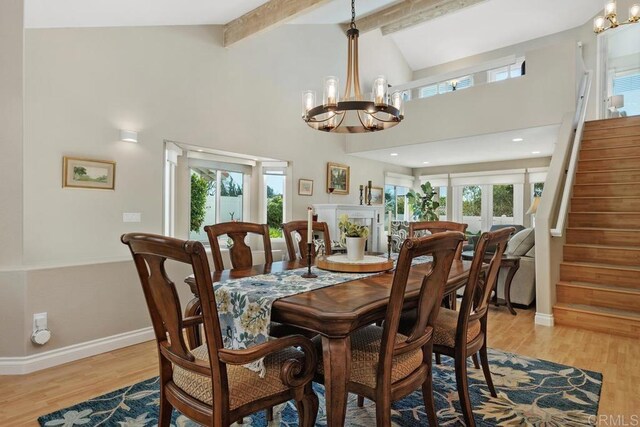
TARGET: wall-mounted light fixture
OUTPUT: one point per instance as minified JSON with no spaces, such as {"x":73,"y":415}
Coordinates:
{"x":128,"y":135}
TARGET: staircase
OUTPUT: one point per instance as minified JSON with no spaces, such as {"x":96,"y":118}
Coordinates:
{"x":599,"y":287}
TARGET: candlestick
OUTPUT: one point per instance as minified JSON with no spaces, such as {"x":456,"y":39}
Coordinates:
{"x":309,"y":274}
{"x":369,"y":198}
{"x":389,"y":246}
{"x":309,"y":226}
{"x":361,"y":189}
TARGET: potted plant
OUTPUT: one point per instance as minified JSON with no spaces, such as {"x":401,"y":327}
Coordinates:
{"x":354,"y":236}
{"x":424,"y":207}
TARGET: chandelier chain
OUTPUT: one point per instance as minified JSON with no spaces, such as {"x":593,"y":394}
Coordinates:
{"x":353,"y":14}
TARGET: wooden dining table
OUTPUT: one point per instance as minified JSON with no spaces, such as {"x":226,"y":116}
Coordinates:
{"x":335,"y":312}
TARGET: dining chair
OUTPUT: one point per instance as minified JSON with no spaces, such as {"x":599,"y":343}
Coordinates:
{"x":299,"y":227}
{"x":463,"y":334}
{"x":239,"y":251}
{"x":208,"y":384}
{"x":450,"y":300}
{"x":385,"y":365}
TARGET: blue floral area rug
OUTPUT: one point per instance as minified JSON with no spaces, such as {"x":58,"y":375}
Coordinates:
{"x":530,"y":392}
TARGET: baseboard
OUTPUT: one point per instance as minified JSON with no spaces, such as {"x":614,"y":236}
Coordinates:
{"x":544,"y":319}
{"x":48,"y":359}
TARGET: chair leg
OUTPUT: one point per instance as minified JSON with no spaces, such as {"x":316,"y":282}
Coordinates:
{"x":453,"y":301}
{"x":438,"y":359}
{"x":166,"y":410}
{"x":463,"y":391}
{"x":383,"y":412}
{"x":427,"y":389}
{"x":476,"y":364}
{"x":308,"y":408}
{"x":360,"y":401}
{"x":269,"y":414}
{"x":487,"y":372}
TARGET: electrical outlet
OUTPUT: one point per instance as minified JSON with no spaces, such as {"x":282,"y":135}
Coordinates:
{"x":131,"y":217}
{"x":39,"y":321}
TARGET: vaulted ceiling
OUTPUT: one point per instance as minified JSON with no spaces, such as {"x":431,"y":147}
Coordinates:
{"x":427,"y":32}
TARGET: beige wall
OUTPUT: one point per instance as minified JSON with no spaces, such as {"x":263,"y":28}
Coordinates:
{"x":168,"y":83}
{"x":539,"y":162}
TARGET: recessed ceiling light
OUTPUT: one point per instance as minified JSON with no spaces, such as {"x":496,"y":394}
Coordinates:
{"x":535,"y":152}
{"x":200,"y":151}
{"x":517,"y":139}
{"x":393,"y":154}
{"x":425,"y":163}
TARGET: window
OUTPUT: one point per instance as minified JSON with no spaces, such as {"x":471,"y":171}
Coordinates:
{"x":274,"y":191}
{"x":442,"y":199}
{"x":472,"y":207}
{"x":395,"y":200}
{"x":461,"y":83}
{"x":427,"y":91}
{"x":502,"y":204}
{"x":628,"y":85}
{"x":506,"y":72}
{"x":216,"y":197}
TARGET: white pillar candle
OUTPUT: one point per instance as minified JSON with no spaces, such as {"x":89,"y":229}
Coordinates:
{"x":389,"y":225}
{"x":309,"y":225}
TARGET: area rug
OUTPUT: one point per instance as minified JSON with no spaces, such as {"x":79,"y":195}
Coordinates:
{"x":530,"y":392}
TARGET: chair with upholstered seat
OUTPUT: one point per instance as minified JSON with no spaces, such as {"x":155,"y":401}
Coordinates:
{"x":463,"y":334}
{"x":291,"y":228}
{"x":207,"y":384}
{"x":387,"y":366}
{"x":239,"y":252}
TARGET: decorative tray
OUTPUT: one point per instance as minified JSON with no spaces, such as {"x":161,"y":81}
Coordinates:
{"x":340,"y":263}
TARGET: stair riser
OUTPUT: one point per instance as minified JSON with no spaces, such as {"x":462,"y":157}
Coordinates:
{"x":605,"y":205}
{"x":612,"y":123}
{"x":597,"y":322}
{"x":610,"y":133}
{"x":606,"y":190}
{"x":610,"y":142}
{"x":625,"y":256}
{"x":604,"y":220}
{"x":598,"y":297}
{"x":605,"y":237}
{"x":610,"y":152}
{"x":608,"y":177}
{"x":609,"y":164}
{"x":603,"y":276}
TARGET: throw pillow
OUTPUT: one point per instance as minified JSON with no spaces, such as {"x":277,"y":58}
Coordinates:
{"x":522,"y":242}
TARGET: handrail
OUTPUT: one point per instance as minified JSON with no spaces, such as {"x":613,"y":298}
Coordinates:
{"x":578,"y":124}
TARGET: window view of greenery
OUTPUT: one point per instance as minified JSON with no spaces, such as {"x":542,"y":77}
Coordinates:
{"x":471,"y":200}
{"x":275,"y":203}
{"x":503,"y":203}
{"x":537,"y":189}
{"x":204,"y":199}
{"x":442,"y":210}
{"x":395,"y":201}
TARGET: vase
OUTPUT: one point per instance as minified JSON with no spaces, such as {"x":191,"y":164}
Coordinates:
{"x":355,"y":248}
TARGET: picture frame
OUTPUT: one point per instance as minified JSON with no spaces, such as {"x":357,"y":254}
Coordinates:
{"x":377,"y":196}
{"x":305,"y":187}
{"x":338,"y":178}
{"x":88,"y":173}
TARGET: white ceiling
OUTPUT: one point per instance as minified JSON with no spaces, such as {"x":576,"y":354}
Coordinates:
{"x":537,"y":142}
{"x":339,"y":12}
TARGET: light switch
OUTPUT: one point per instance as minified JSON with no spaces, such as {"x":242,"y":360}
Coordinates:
{"x":131,"y":217}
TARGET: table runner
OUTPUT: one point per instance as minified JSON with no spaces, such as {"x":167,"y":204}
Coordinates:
{"x":244,"y":305}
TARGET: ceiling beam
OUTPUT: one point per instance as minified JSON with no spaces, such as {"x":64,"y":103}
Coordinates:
{"x":269,"y":15}
{"x":409,"y":13}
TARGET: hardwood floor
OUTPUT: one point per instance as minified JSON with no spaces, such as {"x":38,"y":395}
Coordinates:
{"x":24,"y":398}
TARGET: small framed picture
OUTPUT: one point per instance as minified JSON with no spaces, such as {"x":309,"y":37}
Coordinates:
{"x":337,"y":178}
{"x":87,"y":173}
{"x":377,"y":195}
{"x":305,"y":187}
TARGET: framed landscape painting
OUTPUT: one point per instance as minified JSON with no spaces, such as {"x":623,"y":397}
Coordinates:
{"x":338,"y":178}
{"x":86,"y":173}
{"x":305,"y":187}
{"x":377,"y":195}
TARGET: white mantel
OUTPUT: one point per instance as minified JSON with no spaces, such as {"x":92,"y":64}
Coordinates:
{"x":372,"y":216}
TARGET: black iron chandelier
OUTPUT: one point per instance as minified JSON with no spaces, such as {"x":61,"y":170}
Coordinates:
{"x":352,"y":113}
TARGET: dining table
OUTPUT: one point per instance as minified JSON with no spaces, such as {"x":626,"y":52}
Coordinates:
{"x":334,"y":313}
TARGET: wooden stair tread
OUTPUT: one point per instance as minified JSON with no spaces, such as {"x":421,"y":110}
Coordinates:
{"x":603,"y":311}
{"x":605,"y":197}
{"x":609,"y":171}
{"x":600,"y":286}
{"x":614,"y":122}
{"x":626,"y":230}
{"x":612,"y":158}
{"x":629,"y":145}
{"x":602,"y":266}
{"x":601,"y":138}
{"x":599,"y":246}
{"x":608,"y":183}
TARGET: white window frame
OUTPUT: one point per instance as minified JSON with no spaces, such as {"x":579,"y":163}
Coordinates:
{"x":277,"y":169}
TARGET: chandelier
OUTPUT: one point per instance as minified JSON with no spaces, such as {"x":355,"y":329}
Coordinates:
{"x":351,"y":113}
{"x":610,"y":14}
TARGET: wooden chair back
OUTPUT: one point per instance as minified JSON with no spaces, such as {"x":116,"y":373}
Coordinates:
{"x":441,"y":247}
{"x":300,"y":227}
{"x":439,"y":227}
{"x":239,"y":252}
{"x":477,"y":292}
{"x":150,"y":253}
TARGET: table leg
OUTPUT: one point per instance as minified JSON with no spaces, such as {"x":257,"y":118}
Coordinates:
{"x":336,"y":353}
{"x":507,"y":287}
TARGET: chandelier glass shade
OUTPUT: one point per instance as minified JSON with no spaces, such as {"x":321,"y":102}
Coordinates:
{"x":610,"y":17}
{"x":352,"y":112}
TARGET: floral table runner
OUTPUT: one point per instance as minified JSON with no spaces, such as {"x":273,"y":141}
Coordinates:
{"x":244,"y":305}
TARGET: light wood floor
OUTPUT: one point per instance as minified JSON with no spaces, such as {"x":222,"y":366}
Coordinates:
{"x":24,"y":398}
